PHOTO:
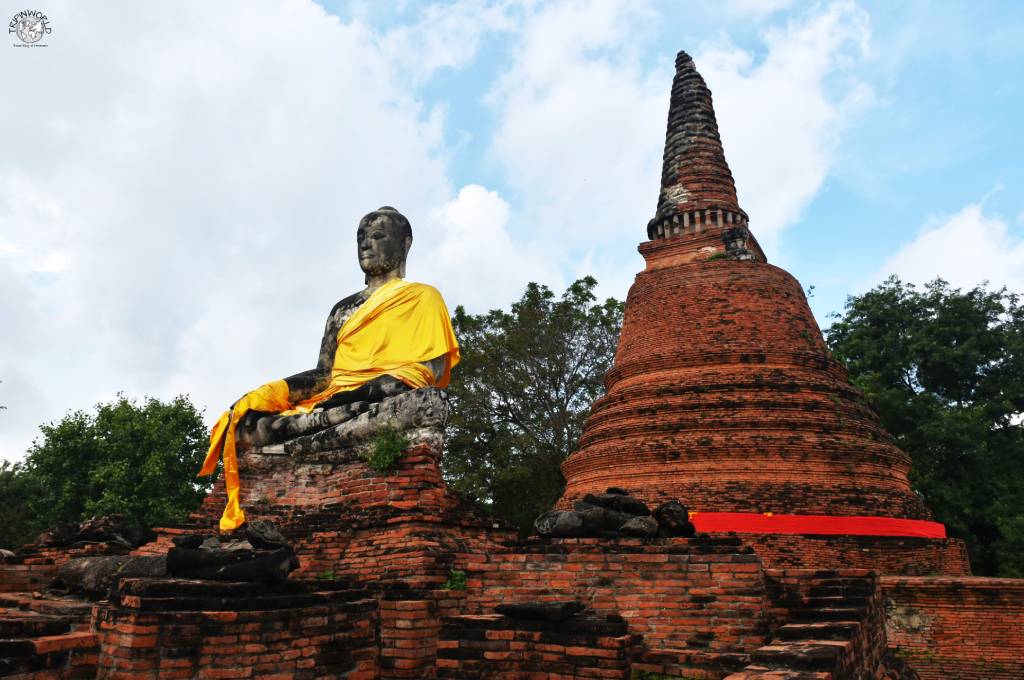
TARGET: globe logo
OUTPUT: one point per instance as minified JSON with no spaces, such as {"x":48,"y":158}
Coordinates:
{"x":29,"y":25}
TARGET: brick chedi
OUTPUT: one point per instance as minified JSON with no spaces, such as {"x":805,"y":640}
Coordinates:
{"x":723,"y":393}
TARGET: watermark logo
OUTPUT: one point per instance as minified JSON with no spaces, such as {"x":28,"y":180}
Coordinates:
{"x":30,"y":26}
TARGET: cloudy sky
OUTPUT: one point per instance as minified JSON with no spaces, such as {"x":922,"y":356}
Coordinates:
{"x":180,"y":181}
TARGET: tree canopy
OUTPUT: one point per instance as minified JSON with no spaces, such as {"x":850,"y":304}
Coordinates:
{"x":944,"y":369}
{"x":137,"y":460}
{"x":523,"y":392}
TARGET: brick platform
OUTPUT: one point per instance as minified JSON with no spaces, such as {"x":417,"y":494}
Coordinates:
{"x":485,"y":647}
{"x":348,"y":521}
{"x":171,"y":628}
{"x":698,"y":594}
{"x":901,"y":555}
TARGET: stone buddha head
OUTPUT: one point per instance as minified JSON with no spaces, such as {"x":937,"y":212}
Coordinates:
{"x":382,"y":243}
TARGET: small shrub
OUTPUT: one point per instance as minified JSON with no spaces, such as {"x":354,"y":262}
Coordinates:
{"x":387,"y":449}
{"x":648,"y":675}
{"x":716,"y":256}
{"x":456,"y":580}
{"x":325,"y":575}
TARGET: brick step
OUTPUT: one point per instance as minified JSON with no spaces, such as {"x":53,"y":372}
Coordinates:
{"x":695,"y":659}
{"x":756,"y":672}
{"x":75,"y":610}
{"x":832,"y":601}
{"x":840,"y":582}
{"x":830,"y":614}
{"x":802,"y":655}
{"x":16,"y":648}
{"x":68,"y":655}
{"x":821,"y":630}
{"x":863,"y":589}
{"x":32,"y":625}
{"x":71,"y":654}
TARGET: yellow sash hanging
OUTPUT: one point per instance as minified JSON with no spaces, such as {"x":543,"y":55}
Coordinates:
{"x":399,"y":327}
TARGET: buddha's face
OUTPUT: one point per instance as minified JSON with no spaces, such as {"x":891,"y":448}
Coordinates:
{"x":381,"y":245}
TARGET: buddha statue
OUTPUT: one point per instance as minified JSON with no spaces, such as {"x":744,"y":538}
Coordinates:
{"x":390,"y":337}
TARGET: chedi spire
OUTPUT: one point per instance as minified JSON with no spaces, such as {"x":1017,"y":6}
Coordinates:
{"x":697,"y":190}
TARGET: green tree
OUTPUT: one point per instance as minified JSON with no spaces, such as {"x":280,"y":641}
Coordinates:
{"x":944,"y":369}
{"x":138,"y":460}
{"x":523,"y":392}
{"x":18,"y":524}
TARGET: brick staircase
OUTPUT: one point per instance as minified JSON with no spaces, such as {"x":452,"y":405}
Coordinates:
{"x":46,"y":639}
{"x":831,"y":628}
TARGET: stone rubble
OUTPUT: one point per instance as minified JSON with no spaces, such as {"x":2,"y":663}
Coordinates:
{"x":615,"y":513}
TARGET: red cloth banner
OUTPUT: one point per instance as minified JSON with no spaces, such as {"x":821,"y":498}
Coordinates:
{"x":768,"y":523}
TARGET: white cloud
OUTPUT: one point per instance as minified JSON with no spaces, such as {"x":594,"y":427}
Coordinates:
{"x":779,"y":122}
{"x":579,"y":122}
{"x":757,"y":8}
{"x":965,"y":249}
{"x":470,"y":255}
{"x":582,"y":119}
{"x":178,"y":202}
{"x":445,"y":36}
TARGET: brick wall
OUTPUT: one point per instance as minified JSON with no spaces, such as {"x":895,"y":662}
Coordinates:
{"x":492,"y":646}
{"x":898,"y":555}
{"x":704,"y":595}
{"x":410,"y":623}
{"x":193,"y":629}
{"x":27,"y":575}
{"x":969,"y":628}
{"x":349,"y":521}
{"x":36,"y":566}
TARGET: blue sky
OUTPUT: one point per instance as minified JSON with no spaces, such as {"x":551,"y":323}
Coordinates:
{"x":178,"y":198}
{"x":941,"y":130}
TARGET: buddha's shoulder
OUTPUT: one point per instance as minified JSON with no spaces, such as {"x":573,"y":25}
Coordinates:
{"x":424,"y":290}
{"x":353,"y":300}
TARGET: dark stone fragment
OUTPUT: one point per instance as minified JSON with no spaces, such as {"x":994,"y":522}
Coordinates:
{"x":541,"y":611}
{"x":597,"y":520}
{"x":685,"y":531}
{"x":97,"y":577}
{"x":448,"y":653}
{"x":559,"y":524}
{"x":188,"y":541}
{"x":91,"y":576}
{"x":11,"y":649}
{"x":673,"y":519}
{"x":643,"y":527}
{"x":59,"y":535}
{"x":618,"y":502}
{"x":617,"y":490}
{"x":236,"y":545}
{"x":264,"y":535}
{"x":267,"y":566}
{"x":106,"y":529}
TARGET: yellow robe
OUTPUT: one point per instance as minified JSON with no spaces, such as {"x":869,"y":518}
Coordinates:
{"x":400,"y":326}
